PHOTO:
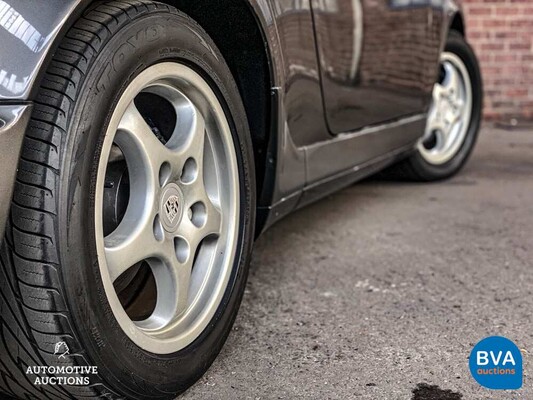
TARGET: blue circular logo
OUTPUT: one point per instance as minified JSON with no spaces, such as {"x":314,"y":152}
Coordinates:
{"x":496,"y":363}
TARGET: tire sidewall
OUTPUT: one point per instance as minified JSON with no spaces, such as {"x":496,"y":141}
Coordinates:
{"x":147,"y":40}
{"x":457,"y":45}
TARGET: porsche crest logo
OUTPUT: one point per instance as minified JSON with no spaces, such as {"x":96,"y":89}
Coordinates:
{"x":172,"y":208}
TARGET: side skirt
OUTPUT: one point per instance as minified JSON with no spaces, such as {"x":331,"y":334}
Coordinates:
{"x":337,"y":163}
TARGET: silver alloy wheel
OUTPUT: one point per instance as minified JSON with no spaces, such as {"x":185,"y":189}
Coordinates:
{"x":182,"y":215}
{"x":450,"y":112}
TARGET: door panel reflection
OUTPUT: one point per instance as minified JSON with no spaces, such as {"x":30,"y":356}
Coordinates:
{"x":302,"y":92}
{"x":377,"y":59}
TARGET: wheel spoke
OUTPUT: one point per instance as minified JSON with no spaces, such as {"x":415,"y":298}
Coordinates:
{"x":143,"y":150}
{"x":173,"y":280}
{"x":213,"y":223}
{"x":182,"y":278}
{"x":434,"y":122}
{"x":191,"y":234}
{"x":441,"y":138}
{"x":188,"y":157}
{"x":438,"y":90}
{"x":452,"y":82}
{"x":129,"y":244}
{"x":459,"y":107}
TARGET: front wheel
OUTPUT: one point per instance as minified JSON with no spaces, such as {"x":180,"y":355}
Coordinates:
{"x":133,"y":217}
{"x":454,"y":117}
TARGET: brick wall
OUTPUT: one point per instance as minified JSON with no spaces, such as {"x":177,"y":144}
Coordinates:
{"x":501,"y":31}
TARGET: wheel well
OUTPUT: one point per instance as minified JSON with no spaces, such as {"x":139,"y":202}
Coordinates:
{"x":244,"y":49}
{"x":458,"y":24}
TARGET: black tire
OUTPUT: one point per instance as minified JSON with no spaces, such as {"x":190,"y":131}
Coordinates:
{"x":416,"y":168}
{"x":50,"y":285}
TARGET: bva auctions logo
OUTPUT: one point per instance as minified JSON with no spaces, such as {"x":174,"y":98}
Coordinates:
{"x":496,"y":363}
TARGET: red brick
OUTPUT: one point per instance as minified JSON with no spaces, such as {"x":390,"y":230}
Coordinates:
{"x":501,"y":32}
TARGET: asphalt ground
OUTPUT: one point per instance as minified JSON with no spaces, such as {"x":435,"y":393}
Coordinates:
{"x":381,"y":291}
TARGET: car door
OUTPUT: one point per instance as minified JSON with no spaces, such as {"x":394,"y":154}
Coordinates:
{"x":301,"y":89}
{"x":376,"y":60}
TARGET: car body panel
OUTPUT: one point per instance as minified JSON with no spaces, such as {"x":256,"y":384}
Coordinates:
{"x":13,"y":122}
{"x":379,"y":73}
{"x":306,"y":158}
{"x":28,"y":33}
{"x":349,"y":151}
{"x":301,"y":92}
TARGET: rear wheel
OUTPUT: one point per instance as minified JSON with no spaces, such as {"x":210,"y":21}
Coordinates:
{"x":132,"y":220}
{"x":453,"y":119}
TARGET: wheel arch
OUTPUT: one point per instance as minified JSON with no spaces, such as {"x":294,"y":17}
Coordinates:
{"x":457,"y":23}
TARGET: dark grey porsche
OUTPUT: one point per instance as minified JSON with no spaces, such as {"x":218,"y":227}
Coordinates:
{"x":146,"y":144}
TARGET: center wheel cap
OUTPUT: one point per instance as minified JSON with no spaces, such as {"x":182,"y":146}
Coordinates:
{"x":171,"y":207}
